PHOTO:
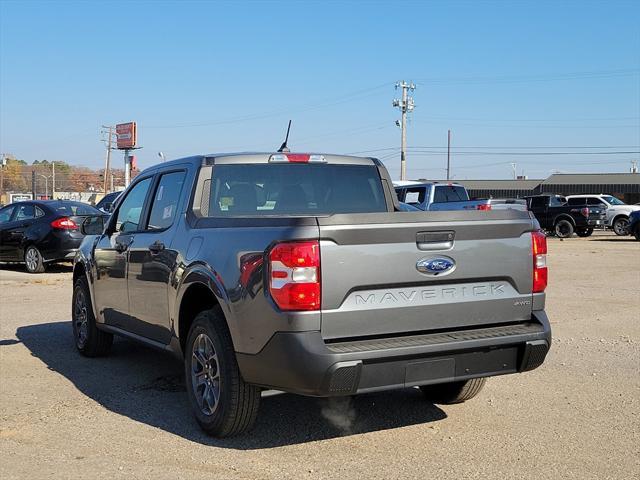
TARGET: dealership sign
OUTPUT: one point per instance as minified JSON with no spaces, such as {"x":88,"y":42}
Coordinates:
{"x":127,"y":135}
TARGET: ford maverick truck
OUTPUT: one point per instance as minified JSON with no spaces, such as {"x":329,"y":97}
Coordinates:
{"x":298,"y":272}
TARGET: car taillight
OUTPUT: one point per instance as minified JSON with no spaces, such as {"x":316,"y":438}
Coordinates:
{"x":294,"y":275}
{"x":539,"y":251}
{"x":585,"y":211}
{"x":485,"y":206}
{"x":64,"y":223}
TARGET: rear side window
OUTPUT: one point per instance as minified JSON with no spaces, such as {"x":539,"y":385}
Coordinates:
{"x":450,"y":193}
{"x":295,"y":189}
{"x":557,"y":201}
{"x":595,"y":201}
{"x":165,"y":200}
{"x":577,"y":201}
{"x":26,"y":212}
{"x":416,"y":195}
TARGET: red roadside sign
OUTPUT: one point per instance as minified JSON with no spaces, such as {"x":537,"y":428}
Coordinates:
{"x":127,"y":135}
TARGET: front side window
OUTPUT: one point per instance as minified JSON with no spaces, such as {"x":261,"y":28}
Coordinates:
{"x":130,"y":210}
{"x":5,"y":213}
{"x":165,"y":200}
{"x":295,"y":189}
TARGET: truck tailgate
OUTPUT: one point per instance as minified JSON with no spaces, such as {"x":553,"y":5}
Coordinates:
{"x":371,"y":284}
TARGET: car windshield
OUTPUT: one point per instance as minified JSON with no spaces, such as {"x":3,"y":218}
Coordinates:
{"x":613,"y":200}
{"x":74,"y":208}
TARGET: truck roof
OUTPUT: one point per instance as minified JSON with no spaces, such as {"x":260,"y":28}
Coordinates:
{"x":411,"y":183}
{"x":266,"y":157}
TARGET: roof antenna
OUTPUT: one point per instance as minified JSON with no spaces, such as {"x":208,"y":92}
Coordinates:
{"x":283,"y":147}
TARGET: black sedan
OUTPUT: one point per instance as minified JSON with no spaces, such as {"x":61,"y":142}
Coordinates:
{"x":41,"y":232}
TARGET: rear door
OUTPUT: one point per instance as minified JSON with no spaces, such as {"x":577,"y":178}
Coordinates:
{"x":152,"y":260}
{"x":384,"y":275}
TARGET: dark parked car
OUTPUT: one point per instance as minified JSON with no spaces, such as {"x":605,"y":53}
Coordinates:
{"x":106,"y":203}
{"x":561,"y":218}
{"x":41,"y":232}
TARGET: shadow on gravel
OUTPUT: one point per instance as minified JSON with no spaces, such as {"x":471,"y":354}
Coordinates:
{"x":617,"y":240}
{"x":147,"y":386}
{"x":65,"y":267}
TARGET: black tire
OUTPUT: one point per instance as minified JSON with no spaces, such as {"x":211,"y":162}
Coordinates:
{"x":89,"y":340}
{"x":563,"y":228}
{"x":621,"y":226}
{"x":236,"y":407}
{"x":584,"y":232}
{"x":636,"y":232}
{"x":33,"y":260}
{"x":453,"y":392}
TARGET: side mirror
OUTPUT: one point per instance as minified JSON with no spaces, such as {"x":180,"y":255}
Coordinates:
{"x":92,"y":226}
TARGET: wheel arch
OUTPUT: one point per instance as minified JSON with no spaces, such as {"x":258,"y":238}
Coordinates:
{"x":563,"y":216}
{"x":199,"y":291}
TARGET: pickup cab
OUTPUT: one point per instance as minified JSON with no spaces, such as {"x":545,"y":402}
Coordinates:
{"x":438,"y":196}
{"x":561,"y":218}
{"x":298,"y":272}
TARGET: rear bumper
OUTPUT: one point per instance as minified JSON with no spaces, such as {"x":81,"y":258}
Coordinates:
{"x":301,"y":362}
{"x":59,"y":245}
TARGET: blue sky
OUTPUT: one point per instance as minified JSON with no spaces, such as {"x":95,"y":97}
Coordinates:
{"x":204,"y":77}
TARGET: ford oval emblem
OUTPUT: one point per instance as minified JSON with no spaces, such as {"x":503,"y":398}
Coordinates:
{"x":436,"y":266}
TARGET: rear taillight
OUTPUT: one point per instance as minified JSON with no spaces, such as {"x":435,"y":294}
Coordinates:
{"x":294,"y":275}
{"x":539,"y":251}
{"x":485,"y":206}
{"x":64,"y":223}
{"x":585,"y":211}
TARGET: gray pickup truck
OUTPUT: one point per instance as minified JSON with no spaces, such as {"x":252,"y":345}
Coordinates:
{"x":298,"y":272}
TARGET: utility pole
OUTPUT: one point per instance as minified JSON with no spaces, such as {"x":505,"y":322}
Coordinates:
{"x":53,"y":180}
{"x":127,"y":168}
{"x":405,"y":105}
{"x":33,"y":184}
{"x":448,"y":154}
{"x":107,"y":161}
{"x":513,"y":166}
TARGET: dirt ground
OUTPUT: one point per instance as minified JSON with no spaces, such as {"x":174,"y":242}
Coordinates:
{"x":126,"y":416}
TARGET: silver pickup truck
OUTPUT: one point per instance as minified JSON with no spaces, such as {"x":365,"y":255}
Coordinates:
{"x":298,"y":272}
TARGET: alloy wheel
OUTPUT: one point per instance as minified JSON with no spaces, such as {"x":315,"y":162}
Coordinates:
{"x":621,"y":226}
{"x":80,"y":318}
{"x":32,"y":258}
{"x":205,"y":374}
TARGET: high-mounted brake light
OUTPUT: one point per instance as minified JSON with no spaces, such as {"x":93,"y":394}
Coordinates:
{"x":294,"y":275}
{"x":484,"y":207}
{"x":296,"y":158}
{"x":64,"y":223}
{"x":539,"y":251}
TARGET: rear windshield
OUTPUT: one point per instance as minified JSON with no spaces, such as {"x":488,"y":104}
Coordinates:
{"x":74,"y":208}
{"x":294,"y":189}
{"x":450,"y":193}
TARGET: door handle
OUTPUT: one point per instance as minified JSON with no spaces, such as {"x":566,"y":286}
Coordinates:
{"x":156,"y":247}
{"x":121,"y":246}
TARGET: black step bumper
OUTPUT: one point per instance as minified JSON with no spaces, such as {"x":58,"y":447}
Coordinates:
{"x":301,"y":362}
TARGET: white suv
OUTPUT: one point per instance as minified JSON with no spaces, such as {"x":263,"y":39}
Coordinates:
{"x":617,"y":211}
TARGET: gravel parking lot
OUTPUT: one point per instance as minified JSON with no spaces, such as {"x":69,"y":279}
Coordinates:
{"x":126,"y":416}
